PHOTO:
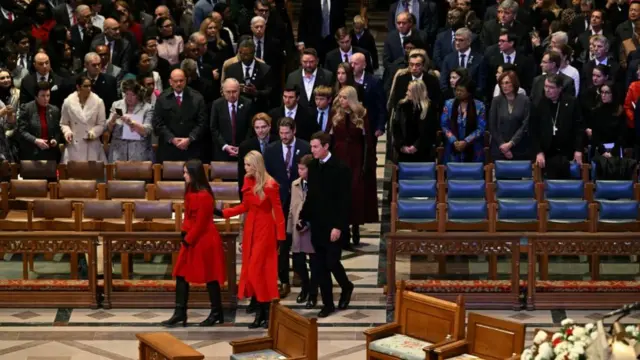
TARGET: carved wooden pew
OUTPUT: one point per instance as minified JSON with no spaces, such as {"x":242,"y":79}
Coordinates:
{"x":164,"y":346}
{"x":50,"y":293}
{"x":487,"y":294}
{"x":583,"y":294}
{"x":159,"y":293}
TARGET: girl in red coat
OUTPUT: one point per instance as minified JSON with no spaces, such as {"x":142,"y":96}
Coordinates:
{"x":201,"y":259}
{"x":264,"y":226}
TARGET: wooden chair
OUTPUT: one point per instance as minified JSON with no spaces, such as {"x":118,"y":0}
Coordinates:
{"x":487,"y":338}
{"x":78,"y":190}
{"x":290,"y":336}
{"x":16,"y":194}
{"x":165,"y":346}
{"x":168,"y":170}
{"x":166,"y":190}
{"x":124,"y":190}
{"x":227,"y":193}
{"x":83,"y":170}
{"x":422,"y":323}
{"x":104,"y":215}
{"x":222,"y":170}
{"x":34,"y":169}
{"x":132,"y":170}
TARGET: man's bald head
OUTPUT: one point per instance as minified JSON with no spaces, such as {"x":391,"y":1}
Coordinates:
{"x":177,"y":80}
{"x":162,"y":11}
{"x":111,"y":29}
{"x":358,"y":63}
{"x":42,"y":64}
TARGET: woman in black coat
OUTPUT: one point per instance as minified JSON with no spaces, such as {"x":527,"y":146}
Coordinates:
{"x":415,"y":125}
{"x":606,"y":123}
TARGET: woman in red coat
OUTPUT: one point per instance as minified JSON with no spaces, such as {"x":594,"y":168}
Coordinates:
{"x":264,"y":226}
{"x":201,"y":259}
{"x":353,"y":144}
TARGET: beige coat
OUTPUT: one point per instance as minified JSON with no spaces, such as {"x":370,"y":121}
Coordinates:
{"x":80,"y":121}
{"x":301,"y":241}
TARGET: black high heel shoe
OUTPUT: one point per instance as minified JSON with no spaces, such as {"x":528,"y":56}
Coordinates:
{"x":179,"y":316}
{"x":261,"y":318}
{"x":215,"y":317}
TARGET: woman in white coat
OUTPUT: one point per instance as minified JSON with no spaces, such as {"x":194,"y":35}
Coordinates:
{"x":82,"y":122}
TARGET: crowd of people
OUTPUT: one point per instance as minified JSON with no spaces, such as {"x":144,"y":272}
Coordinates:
{"x":551,"y":81}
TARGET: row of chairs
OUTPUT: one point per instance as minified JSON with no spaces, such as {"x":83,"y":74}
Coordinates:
{"x":119,"y":170}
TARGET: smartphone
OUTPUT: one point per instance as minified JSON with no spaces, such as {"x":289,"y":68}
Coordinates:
{"x":119,"y":112}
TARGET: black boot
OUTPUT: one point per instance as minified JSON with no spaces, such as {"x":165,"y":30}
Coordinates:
{"x":182,"y":297}
{"x":216,"y":316}
{"x":260,"y":319}
{"x":355,"y":234}
{"x":267,"y":310}
{"x":253,"y":305}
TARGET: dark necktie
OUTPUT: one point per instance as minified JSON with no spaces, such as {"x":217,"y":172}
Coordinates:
{"x":304,"y":186}
{"x":179,"y":100}
{"x":262,"y":146}
{"x":233,"y":123}
{"x":508,"y":59}
{"x":287,"y":160}
{"x":321,"y":120}
{"x":462,"y":62}
{"x":42,"y":79}
{"x":346,"y":58}
{"x":247,"y":74}
{"x":259,"y":49}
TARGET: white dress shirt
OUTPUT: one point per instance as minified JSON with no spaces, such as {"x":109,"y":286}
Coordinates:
{"x":291,"y":112}
{"x":323,"y":161}
{"x":284,"y":151}
{"x":308,"y":83}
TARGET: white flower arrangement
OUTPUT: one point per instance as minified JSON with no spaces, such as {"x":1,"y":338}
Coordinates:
{"x":570,"y":343}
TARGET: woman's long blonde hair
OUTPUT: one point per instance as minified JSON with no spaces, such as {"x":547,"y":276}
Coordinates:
{"x":203,"y":30}
{"x":419,"y":97}
{"x":358,"y":112}
{"x":255,"y":159}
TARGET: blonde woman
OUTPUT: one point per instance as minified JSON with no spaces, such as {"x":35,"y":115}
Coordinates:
{"x":264,"y":228}
{"x":415,"y":125}
{"x":353,"y":144}
{"x":211,"y":30}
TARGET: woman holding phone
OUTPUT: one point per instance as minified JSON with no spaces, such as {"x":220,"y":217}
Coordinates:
{"x":130,"y":125}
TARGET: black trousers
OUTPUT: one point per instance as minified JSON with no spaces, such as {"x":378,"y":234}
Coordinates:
{"x":309,"y":283}
{"x":328,"y":262}
{"x":283,"y":260}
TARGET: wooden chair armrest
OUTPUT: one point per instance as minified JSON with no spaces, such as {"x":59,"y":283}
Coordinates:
{"x":430,"y":348}
{"x":157,"y":172}
{"x":452,"y":349}
{"x":381,"y":331}
{"x":253,"y":344}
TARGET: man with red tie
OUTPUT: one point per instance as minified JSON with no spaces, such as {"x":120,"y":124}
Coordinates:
{"x":180,"y":121}
{"x":230,"y":122}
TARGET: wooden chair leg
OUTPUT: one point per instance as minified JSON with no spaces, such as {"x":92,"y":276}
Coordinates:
{"x":48,"y":256}
{"x":594,"y":265}
{"x":73,"y":266}
{"x":174,"y":260}
{"x":544,"y":267}
{"x":493,"y":267}
{"x":148,"y":257}
{"x":124,"y":265}
{"x":31,"y":267}
{"x":442,"y":264}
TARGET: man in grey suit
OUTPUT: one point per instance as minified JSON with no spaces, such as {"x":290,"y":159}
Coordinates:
{"x":120,"y":48}
{"x":179,"y":121}
{"x":35,"y":144}
{"x":308,"y":77}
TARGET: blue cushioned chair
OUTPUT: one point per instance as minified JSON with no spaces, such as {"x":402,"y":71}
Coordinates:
{"x":617,"y":215}
{"x":412,"y":189}
{"x":614,"y":190}
{"x":414,"y":214}
{"x":514,"y":215}
{"x":290,"y":335}
{"x":513,"y":169}
{"x":565,"y":215}
{"x":513,"y":180}
{"x":466,"y":189}
{"x":564,"y":189}
{"x":463,"y":215}
{"x":464,"y":171}
{"x":416,"y":171}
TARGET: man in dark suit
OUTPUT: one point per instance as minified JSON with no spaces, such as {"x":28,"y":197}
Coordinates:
{"x":83,"y":32}
{"x":43,"y":73}
{"x":492,"y":29}
{"x":281,"y":161}
{"x":291,"y":108}
{"x":507,"y":54}
{"x":261,"y":124}
{"x":33,"y":143}
{"x":326,"y":210}
{"x":344,"y":52}
{"x":120,"y":48}
{"x":230,"y":122}
{"x":624,"y":31}
{"x":255,"y":77}
{"x":464,"y":57}
{"x":393,"y":44}
{"x":556,"y":129}
{"x":322,"y":111}
{"x":65,"y":13}
{"x":103,"y":85}
{"x":550,"y":65}
{"x":179,"y":121}
{"x":425,"y":12}
{"x":416,"y":71}
{"x":597,"y":27}
{"x":321,"y":20}
{"x":600,"y":47}
{"x":308,"y":77}
{"x":374,"y":99}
